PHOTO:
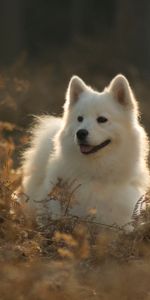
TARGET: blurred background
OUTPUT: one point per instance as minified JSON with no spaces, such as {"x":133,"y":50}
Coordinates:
{"x":44,"y":42}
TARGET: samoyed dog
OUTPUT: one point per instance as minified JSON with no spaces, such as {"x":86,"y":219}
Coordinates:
{"x":98,"y":147}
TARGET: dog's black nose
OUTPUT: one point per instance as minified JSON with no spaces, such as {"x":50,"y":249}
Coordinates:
{"x":82,"y":134}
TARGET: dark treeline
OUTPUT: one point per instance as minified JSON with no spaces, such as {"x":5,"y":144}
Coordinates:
{"x":37,"y":25}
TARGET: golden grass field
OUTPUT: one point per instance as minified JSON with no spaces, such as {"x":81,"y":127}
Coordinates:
{"x":70,"y":258}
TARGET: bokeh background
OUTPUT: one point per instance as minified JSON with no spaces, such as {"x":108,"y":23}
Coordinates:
{"x":44,"y":42}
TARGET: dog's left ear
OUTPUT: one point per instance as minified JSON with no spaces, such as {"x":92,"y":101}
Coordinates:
{"x":121,"y":91}
{"x":75,"y":88}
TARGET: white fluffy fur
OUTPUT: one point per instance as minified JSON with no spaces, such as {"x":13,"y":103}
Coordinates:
{"x":110,"y":180}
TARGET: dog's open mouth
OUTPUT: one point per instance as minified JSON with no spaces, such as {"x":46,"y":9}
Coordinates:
{"x":87,"y":149}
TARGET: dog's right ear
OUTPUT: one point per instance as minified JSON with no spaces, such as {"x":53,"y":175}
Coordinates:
{"x":75,"y":88}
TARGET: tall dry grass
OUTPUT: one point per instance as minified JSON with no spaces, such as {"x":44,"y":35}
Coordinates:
{"x":69,"y":258}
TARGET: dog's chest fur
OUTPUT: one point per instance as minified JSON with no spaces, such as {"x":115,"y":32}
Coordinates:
{"x":109,"y":205}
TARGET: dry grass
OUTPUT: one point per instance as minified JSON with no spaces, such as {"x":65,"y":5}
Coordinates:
{"x":69,"y":258}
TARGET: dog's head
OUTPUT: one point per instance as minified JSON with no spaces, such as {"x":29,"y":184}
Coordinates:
{"x":99,"y":121}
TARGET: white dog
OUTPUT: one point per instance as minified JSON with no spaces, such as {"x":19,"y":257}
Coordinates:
{"x":98,"y":146}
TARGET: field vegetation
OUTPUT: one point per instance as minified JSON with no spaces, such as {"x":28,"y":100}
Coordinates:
{"x":69,"y":258}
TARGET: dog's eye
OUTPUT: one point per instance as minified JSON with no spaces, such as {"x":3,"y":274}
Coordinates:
{"x":80,"y":118}
{"x":102,"y":119}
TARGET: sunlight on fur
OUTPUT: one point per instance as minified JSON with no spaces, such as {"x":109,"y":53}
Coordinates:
{"x":98,"y":145}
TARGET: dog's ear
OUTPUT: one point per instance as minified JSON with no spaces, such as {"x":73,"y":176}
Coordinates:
{"x":75,"y":89}
{"x":121,"y":91}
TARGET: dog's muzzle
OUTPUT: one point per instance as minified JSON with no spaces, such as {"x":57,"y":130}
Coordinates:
{"x":88,"y":149}
{"x":85,"y":148}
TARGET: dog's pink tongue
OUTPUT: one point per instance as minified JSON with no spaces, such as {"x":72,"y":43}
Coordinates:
{"x":85,"y":148}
